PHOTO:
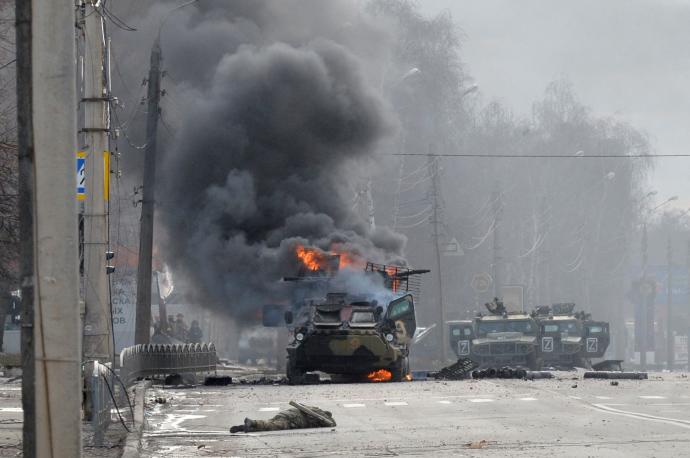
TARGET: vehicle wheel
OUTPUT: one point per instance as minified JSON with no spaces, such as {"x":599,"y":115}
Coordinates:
{"x":534,"y":363}
{"x":294,"y":375}
{"x":400,"y":370}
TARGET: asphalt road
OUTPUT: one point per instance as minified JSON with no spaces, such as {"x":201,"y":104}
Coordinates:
{"x":512,"y":417}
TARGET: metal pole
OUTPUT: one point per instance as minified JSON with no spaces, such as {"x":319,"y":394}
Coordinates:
{"x":498,"y":210}
{"x":51,"y":344}
{"x":687,"y":261}
{"x":645,"y":318}
{"x":436,"y":215}
{"x":670,"y":341}
{"x":143,"y":318}
{"x":97,"y":320}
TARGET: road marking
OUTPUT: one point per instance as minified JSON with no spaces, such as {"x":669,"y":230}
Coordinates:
{"x":652,"y":397}
{"x":574,"y":397}
{"x":528,"y":399}
{"x":641,"y":416}
{"x":481,"y":400}
{"x":269,"y":409}
{"x":396,"y":403}
{"x":11,"y":409}
{"x":350,"y":406}
{"x":444,"y":402}
{"x":602,"y":397}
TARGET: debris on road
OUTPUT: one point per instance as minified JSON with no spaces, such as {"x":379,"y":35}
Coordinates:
{"x":478,"y":444}
{"x":218,"y":380}
{"x":535,"y":375}
{"x":616,"y":375}
{"x":457,"y":371}
{"x":609,"y":365}
{"x":614,"y":383}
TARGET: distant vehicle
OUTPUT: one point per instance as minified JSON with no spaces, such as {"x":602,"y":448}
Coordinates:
{"x":507,"y":339}
{"x":357,"y":338}
{"x":554,"y":336}
{"x":570,"y":339}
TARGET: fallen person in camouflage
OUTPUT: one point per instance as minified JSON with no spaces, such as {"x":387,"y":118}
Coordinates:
{"x":297,"y":417}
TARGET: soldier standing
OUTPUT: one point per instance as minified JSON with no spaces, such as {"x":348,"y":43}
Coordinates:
{"x":180,"y":328}
{"x":195,"y":333}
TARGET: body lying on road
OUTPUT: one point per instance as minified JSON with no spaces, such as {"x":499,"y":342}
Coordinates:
{"x":298,"y":417}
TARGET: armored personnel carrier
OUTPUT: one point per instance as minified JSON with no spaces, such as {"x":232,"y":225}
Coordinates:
{"x":352,"y":334}
{"x":352,"y":337}
{"x":570,"y":339}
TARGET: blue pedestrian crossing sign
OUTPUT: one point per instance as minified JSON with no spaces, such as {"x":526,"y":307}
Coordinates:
{"x":81,"y":175}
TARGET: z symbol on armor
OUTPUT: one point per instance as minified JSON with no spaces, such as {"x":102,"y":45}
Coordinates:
{"x":592,"y":345}
{"x":547,"y":344}
{"x":464,"y":347}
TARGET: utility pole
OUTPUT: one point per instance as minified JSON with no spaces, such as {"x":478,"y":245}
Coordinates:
{"x":670,"y":341}
{"x":687,"y":262}
{"x":51,"y":344}
{"x":143,"y":318}
{"x":496,"y":263}
{"x":645,"y":306}
{"x":98,"y":342}
{"x":436,"y":225}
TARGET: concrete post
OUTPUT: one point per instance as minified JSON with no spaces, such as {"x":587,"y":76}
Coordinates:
{"x":97,"y":320}
{"x":47,"y":132}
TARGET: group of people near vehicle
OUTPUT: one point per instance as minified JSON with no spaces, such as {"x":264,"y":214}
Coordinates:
{"x":176,"y":328}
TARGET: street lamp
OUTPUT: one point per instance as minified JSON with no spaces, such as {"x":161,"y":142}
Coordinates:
{"x":670,"y":343}
{"x":645,"y":310}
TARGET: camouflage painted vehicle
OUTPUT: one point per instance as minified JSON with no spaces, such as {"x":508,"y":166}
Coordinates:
{"x":461,"y":334}
{"x":570,"y":339}
{"x":351,"y":337}
{"x":509,"y":339}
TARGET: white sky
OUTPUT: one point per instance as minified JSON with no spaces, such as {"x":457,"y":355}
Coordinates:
{"x":626,"y":58}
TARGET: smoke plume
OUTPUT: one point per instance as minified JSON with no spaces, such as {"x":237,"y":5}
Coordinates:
{"x":279,"y":121}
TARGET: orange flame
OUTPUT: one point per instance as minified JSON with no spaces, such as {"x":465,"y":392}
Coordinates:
{"x":395,"y":283}
{"x":316,"y":259}
{"x":381,"y":375}
{"x":312,"y":258}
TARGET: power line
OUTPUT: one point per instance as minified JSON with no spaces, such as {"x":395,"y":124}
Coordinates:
{"x":547,"y":156}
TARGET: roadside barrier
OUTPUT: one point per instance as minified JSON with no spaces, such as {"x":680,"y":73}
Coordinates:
{"x":164,"y":359}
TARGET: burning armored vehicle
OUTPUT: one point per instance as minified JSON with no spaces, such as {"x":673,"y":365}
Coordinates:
{"x":350,"y":336}
{"x":363,"y":333}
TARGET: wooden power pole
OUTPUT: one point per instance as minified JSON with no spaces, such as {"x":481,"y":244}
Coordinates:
{"x":143,"y":317}
{"x":47,"y":125}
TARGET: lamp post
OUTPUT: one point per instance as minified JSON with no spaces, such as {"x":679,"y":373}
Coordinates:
{"x":645,"y":306}
{"x":670,"y":341}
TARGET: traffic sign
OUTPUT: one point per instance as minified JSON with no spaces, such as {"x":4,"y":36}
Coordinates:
{"x":81,"y":175}
{"x":481,"y":282}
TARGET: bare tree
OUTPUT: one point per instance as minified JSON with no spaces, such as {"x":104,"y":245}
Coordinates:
{"x":9,"y":224}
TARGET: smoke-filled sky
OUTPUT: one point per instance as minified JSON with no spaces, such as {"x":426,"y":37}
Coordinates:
{"x":268,"y":119}
{"x":625,"y":58}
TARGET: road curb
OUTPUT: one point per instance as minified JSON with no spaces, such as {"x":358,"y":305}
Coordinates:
{"x":133,"y":441}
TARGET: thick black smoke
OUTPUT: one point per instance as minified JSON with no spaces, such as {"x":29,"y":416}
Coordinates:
{"x":268,"y":147}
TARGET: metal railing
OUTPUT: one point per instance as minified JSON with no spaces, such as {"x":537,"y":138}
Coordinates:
{"x":164,"y":359}
{"x":99,"y":383}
